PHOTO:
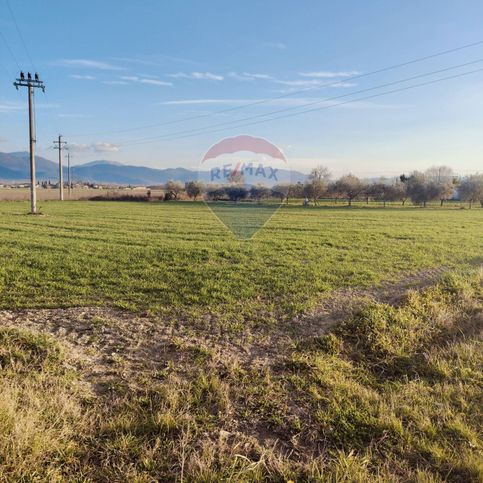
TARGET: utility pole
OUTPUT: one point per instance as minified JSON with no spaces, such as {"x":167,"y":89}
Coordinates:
{"x":68,"y":173}
{"x":31,"y":84}
{"x":60,"y":146}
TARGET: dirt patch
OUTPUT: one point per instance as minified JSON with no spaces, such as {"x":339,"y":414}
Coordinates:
{"x":111,"y":347}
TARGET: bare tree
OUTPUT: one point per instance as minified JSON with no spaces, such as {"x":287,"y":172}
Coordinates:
{"x":383,"y":190}
{"x":443,"y":178}
{"x":349,"y":187}
{"x":317,"y":182}
{"x":471,"y":189}
{"x":400,"y":190}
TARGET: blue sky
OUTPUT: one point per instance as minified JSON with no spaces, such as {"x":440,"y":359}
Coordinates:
{"x":113,"y":67}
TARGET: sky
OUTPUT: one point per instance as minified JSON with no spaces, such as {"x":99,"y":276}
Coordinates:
{"x":156,"y":83}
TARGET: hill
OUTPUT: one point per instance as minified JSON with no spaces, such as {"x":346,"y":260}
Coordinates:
{"x":15,"y":167}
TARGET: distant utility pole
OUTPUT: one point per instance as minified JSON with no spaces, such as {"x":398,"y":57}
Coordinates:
{"x":68,"y":173}
{"x":60,"y":146}
{"x":31,"y":84}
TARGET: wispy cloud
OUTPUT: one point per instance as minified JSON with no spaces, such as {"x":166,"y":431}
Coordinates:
{"x":83,"y":77}
{"x":327,"y":74}
{"x":197,"y":75}
{"x":282,"y":102}
{"x":115,"y":83}
{"x":8,"y":106}
{"x":155,"y":60}
{"x":248,"y":76}
{"x":98,"y":147}
{"x":88,"y":63}
{"x":296,"y":102}
{"x":11,"y":106}
{"x":145,"y":80}
{"x":275,"y":45}
{"x":74,"y":116}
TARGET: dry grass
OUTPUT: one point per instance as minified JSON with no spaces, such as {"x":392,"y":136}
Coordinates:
{"x":391,"y":393}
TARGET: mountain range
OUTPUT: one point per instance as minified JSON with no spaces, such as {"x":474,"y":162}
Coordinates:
{"x":15,"y":167}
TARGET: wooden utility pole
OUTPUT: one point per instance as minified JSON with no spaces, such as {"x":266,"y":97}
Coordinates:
{"x":60,"y":146}
{"x":31,"y":84}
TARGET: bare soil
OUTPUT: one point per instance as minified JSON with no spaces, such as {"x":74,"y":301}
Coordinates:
{"x":110,"y":346}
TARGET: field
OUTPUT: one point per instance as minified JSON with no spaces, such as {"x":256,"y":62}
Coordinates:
{"x":145,"y":342}
{"x":52,"y":194}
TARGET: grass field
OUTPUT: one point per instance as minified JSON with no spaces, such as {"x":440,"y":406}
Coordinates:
{"x":178,"y":259}
{"x":145,"y":342}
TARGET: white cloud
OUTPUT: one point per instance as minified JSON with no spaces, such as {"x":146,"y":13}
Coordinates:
{"x":197,"y":75}
{"x":327,"y":74}
{"x":84,"y":77}
{"x":88,"y":63}
{"x":144,"y":80}
{"x":99,"y":147}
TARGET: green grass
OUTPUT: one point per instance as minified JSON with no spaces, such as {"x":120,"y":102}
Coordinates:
{"x":178,"y":260}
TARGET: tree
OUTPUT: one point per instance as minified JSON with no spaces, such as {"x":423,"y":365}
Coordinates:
{"x":215,"y":192}
{"x":236,"y":193}
{"x":421,"y":188}
{"x":316,"y":185}
{"x":384,"y":191}
{"x":471,"y":189}
{"x":349,"y":187}
{"x":260,"y":192}
{"x":400,"y":190}
{"x":443,"y":179}
{"x":281,"y":191}
{"x":194,"y":189}
{"x":173,"y":189}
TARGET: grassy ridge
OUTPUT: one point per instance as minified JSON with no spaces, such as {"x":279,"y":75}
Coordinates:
{"x":178,"y":259}
{"x":390,"y":394}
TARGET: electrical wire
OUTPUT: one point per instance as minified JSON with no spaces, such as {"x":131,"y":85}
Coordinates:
{"x":318,"y":101}
{"x":20,"y":35}
{"x":323,"y":107}
{"x":289,"y":94}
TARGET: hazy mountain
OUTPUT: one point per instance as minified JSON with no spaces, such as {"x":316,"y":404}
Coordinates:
{"x":15,"y":167}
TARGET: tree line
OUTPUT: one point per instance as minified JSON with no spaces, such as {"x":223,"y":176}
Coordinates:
{"x":420,"y":187}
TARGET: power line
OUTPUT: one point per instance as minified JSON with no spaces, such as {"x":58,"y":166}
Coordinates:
{"x":20,"y":35}
{"x":9,"y":50}
{"x":248,"y":118}
{"x":324,"y":107}
{"x":289,"y":94}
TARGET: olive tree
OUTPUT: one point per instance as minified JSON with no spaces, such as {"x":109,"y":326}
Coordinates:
{"x":421,"y":188}
{"x":173,"y":189}
{"x":260,"y":192}
{"x":194,"y":189}
{"x":236,"y":192}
